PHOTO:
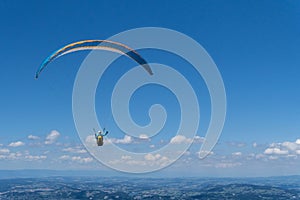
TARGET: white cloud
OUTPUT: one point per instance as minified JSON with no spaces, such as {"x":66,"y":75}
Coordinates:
{"x":237,"y":144}
{"x":87,"y":160}
{"x":241,"y":144}
{"x":11,"y":156}
{"x":198,"y":139}
{"x":128,"y":162}
{"x":292,"y":156}
{"x":259,"y":156}
{"x":126,"y":157}
{"x":126,"y":140}
{"x":156,"y":159}
{"x":291,"y":145}
{"x":273,"y":157}
{"x":78,"y":159}
{"x":202,"y":152}
{"x":64,"y":157}
{"x":16,"y":144}
{"x":237,"y":153}
{"x":151,"y":157}
{"x":46,"y":152}
{"x":81,"y":159}
{"x":228,"y":165}
{"x":2,"y":157}
{"x":180,"y":139}
{"x":90,"y":141}
{"x":4,"y":151}
{"x":35,"y":158}
{"x":33,"y":137}
{"x":275,"y":150}
{"x":74,"y":150}
{"x":144,"y":137}
{"x":254,"y":144}
{"x":250,"y":156}
{"x":286,"y":149}
{"x":164,"y":161}
{"x":52,"y":137}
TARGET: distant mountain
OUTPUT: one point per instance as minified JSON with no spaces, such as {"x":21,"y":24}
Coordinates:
{"x":39,"y":173}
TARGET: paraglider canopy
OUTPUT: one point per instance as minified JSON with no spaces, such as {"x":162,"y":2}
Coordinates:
{"x":95,"y":45}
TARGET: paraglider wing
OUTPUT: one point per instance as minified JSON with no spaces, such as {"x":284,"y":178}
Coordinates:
{"x":96,"y":45}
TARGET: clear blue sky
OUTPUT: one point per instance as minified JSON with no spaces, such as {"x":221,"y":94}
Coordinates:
{"x":255,"y":45}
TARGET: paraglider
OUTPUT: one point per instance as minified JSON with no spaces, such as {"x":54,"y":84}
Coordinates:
{"x":99,"y":136}
{"x":96,"y":45}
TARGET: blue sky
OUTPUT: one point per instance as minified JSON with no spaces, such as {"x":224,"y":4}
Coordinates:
{"x":254,"y":44}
